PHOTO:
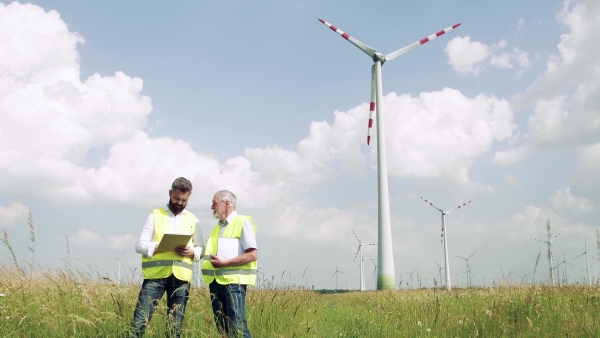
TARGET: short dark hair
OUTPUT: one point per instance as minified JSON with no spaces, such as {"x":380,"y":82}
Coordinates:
{"x":182,"y":184}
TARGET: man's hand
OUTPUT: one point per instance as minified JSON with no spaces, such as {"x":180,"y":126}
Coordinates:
{"x":185,"y":251}
{"x":217,"y":262}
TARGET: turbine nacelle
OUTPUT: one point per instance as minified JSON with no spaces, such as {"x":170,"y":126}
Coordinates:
{"x":379,"y":57}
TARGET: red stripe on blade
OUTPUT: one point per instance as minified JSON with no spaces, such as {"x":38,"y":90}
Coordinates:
{"x":372,"y":107}
{"x":458,"y":24}
{"x":424,"y":40}
{"x":368,"y":140}
{"x":370,"y":123}
{"x":345,"y":36}
{"x":333,"y":28}
{"x":322,"y":21}
{"x":440,"y":33}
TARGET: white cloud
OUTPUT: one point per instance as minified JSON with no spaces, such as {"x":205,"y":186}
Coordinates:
{"x":566,"y":98}
{"x":467,"y":56}
{"x":120,"y":241}
{"x":512,"y":155}
{"x":50,"y":118}
{"x":464,"y":55}
{"x":86,"y":237}
{"x":14,"y":213}
{"x":561,"y":209}
{"x":440,"y":134}
{"x":521,"y":24}
{"x":565,"y":201}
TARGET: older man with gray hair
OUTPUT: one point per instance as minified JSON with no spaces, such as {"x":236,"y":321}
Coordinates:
{"x":228,"y":274}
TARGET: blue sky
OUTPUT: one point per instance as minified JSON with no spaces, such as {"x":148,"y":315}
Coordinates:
{"x":106,"y":103}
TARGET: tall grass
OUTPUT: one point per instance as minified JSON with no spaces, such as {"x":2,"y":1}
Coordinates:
{"x":62,"y":303}
{"x":67,"y":302}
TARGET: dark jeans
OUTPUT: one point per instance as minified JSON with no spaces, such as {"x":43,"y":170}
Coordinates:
{"x":152,"y":290}
{"x":229,"y":307}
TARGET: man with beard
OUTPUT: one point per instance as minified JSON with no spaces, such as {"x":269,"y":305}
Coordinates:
{"x":170,"y":271}
{"x":228,"y":277}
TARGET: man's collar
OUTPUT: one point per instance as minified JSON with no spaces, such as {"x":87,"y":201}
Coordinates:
{"x":229,"y":218}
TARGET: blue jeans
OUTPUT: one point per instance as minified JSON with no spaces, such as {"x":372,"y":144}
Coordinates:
{"x":152,"y":290}
{"x":229,"y":308}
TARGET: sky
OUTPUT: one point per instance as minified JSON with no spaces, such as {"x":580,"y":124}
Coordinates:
{"x":104,"y":104}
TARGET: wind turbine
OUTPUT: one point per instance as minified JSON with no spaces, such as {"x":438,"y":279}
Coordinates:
{"x":443,"y":239}
{"x":439,"y":272}
{"x":336,"y":276}
{"x":385,"y":275}
{"x":468,"y":268}
{"x":410,"y":274}
{"x":550,"y":254}
{"x":362,"y":271}
{"x":120,"y":263}
{"x":586,"y":263}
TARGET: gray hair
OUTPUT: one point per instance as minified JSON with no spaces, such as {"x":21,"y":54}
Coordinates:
{"x":182,"y":184}
{"x":227,"y":196}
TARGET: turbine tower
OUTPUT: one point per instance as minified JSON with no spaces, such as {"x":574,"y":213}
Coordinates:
{"x":444,"y":239}
{"x":386,"y":277}
{"x":550,"y":254}
{"x":362,"y":269}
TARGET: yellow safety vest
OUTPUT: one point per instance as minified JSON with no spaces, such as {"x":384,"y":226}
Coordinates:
{"x":240,"y":274}
{"x":163,"y":264}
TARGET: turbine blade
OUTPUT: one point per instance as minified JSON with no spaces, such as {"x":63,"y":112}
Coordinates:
{"x":458,"y":207}
{"x":357,"y":251}
{"x":370,"y":51}
{"x":555,"y":237}
{"x":373,"y":103}
{"x":426,"y":201}
{"x":416,"y":44}
{"x":356,"y":237}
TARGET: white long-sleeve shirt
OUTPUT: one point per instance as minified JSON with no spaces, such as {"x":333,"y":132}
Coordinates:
{"x":146,"y":245}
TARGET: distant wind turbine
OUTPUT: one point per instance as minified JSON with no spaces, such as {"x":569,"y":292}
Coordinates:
{"x":586,"y":262}
{"x":359,"y":251}
{"x":550,"y":254}
{"x":445,"y":238}
{"x":468,"y":269}
{"x":385,"y":275}
{"x":336,"y":276}
{"x":410,"y":274}
{"x":120,"y":263}
{"x":439,"y":273}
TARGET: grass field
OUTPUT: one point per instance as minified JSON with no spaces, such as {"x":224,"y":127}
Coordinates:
{"x":63,"y":303}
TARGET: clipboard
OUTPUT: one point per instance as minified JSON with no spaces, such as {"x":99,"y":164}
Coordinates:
{"x":169,"y":242}
{"x":229,"y":248}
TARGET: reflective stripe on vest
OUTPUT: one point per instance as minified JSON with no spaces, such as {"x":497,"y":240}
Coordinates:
{"x":151,"y":264}
{"x":243,"y":274}
{"x":223,"y":272}
{"x":165,"y":264}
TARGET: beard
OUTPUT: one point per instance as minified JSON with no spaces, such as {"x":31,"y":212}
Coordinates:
{"x":176,"y":208}
{"x":216,"y":215}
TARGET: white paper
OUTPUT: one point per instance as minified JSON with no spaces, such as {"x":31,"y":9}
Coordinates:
{"x":228,"y":248}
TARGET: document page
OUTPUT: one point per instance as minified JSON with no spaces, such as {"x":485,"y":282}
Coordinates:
{"x":228,"y":248}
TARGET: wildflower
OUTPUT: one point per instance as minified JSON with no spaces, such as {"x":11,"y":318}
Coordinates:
{"x":419,"y":323}
{"x":488,"y":312}
{"x":2,"y":295}
{"x":428,"y":330}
